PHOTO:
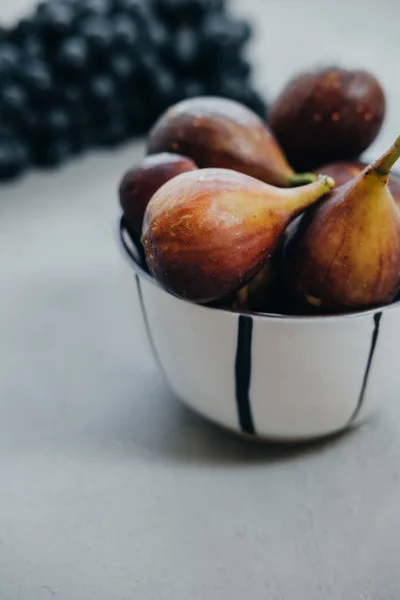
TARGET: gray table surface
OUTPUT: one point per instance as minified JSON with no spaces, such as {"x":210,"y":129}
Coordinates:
{"x":109,"y":488}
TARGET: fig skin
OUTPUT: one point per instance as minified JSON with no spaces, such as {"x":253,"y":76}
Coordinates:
{"x":327,"y":115}
{"x":141,"y":182}
{"x":206,"y":233}
{"x":219,"y":132}
{"x":343,"y":172}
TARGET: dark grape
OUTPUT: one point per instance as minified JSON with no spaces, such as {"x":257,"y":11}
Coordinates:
{"x":173,"y":11}
{"x":240,"y":68}
{"x":4,"y":34}
{"x":186,"y":48}
{"x":6,"y":132}
{"x":56,"y":19}
{"x":58,"y":122}
{"x":192,"y":87}
{"x":22,"y":30}
{"x":157,"y":82}
{"x":82,"y":134}
{"x":134,"y":9}
{"x":222,"y":34}
{"x":176,"y":12}
{"x":123,"y":67}
{"x":241,"y":92}
{"x":73,"y":55}
{"x":125,"y":33}
{"x":165,"y":86}
{"x":53,"y":153}
{"x":139,"y":114}
{"x":96,"y":8}
{"x":77,"y":113}
{"x":42,"y":6}
{"x":97,"y":33}
{"x":230,"y":67}
{"x":208,"y":7}
{"x":101,"y":90}
{"x":32,"y":47}
{"x":51,"y":133}
{"x":37,"y":77}
{"x":13,"y":100}
{"x":112,"y":131}
{"x":160,"y":36}
{"x":72,"y":95}
{"x":9,"y":60}
{"x":14,"y":157}
{"x":125,"y":6}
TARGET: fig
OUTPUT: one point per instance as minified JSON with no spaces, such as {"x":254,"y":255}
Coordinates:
{"x":327,"y":115}
{"x":206,"y":233}
{"x":222,"y":133}
{"x":140,"y":183}
{"x":345,"y":253}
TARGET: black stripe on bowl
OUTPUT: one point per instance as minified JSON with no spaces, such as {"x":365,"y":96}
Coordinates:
{"x":374,"y":340}
{"x":243,"y":373}
{"x":147,"y":326}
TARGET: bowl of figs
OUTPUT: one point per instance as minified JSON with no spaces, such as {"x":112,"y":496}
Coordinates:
{"x":265,"y":255}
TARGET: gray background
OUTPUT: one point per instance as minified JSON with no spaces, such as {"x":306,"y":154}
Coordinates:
{"x":109,"y":489}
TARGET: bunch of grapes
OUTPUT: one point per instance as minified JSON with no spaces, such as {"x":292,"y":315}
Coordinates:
{"x":82,"y":73}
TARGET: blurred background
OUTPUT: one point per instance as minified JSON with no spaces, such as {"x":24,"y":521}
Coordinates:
{"x":96,"y":459}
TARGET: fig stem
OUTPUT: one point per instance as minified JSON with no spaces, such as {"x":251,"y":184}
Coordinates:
{"x":298,"y":200}
{"x":384,"y":164}
{"x":301,"y":179}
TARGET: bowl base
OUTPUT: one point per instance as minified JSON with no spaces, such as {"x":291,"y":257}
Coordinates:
{"x":290,"y":440}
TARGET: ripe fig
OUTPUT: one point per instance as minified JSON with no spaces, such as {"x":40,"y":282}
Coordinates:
{"x":345,"y":253}
{"x":327,"y":115}
{"x":206,"y":233}
{"x":141,"y":182}
{"x":218,"y":132}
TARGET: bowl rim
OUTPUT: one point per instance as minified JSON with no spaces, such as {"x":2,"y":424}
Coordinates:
{"x":140,"y":270}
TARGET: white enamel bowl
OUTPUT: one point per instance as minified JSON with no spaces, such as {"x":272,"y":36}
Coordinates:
{"x":278,"y":377}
